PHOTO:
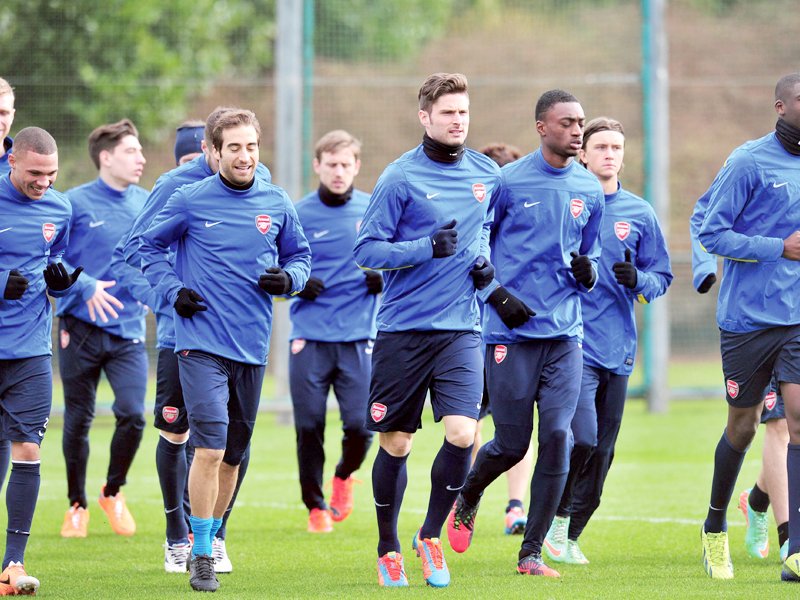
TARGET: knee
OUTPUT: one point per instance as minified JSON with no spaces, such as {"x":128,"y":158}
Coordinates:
{"x":554,"y":452}
{"x":741,"y":432}
{"x":396,"y":444}
{"x":132,"y":423}
{"x":460,"y":431}
{"x":175,"y":438}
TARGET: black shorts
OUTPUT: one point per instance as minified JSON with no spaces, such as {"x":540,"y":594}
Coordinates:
{"x":170,"y":410}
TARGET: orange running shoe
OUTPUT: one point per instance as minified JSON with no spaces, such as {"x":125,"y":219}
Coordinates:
{"x":15,"y":577}
{"x":76,"y":522}
{"x":319,"y":521}
{"x":119,"y":517}
{"x":391,"y":572}
{"x":342,"y":498}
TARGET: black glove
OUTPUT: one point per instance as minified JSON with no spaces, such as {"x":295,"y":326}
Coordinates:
{"x":582,"y":269}
{"x":275,"y":281}
{"x":187,"y":303}
{"x":445,"y":240}
{"x":374,"y":281}
{"x":625,"y":272}
{"x":707,"y":284}
{"x":513,"y":311}
{"x":482,"y":273}
{"x":314,"y":287}
{"x":16,"y":286}
{"x":57,"y":278}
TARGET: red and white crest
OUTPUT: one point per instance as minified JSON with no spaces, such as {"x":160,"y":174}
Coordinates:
{"x":500,"y":353}
{"x":479,"y":191}
{"x":48,"y":231}
{"x":263,"y":223}
{"x":170,"y":414}
{"x":769,"y":400}
{"x":733,"y":388}
{"x":576,"y":207}
{"x":622,"y":229}
{"x":377,"y":411}
{"x":64,"y":338}
{"x":298,"y":345}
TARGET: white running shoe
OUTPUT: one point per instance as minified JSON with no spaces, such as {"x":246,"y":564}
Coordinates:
{"x":222,"y":564}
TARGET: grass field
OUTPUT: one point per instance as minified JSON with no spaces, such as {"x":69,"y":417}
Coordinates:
{"x":642,"y":543}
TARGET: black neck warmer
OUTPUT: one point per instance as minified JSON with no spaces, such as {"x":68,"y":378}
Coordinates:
{"x":330,"y":199}
{"x":788,"y":136}
{"x":237,"y":186}
{"x":442,"y":152}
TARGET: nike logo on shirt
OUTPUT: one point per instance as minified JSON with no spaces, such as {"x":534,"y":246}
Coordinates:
{"x":212,"y":224}
{"x":529,"y":204}
{"x":778,"y":185}
{"x":319,"y":234}
{"x":432,"y":196}
{"x":94,"y":224}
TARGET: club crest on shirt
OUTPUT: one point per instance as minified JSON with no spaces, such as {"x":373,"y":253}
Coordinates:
{"x":298,"y":345}
{"x":770,"y":400}
{"x":377,"y":411}
{"x":500,"y":353}
{"x":170,"y":414}
{"x":263,"y":223}
{"x":48,"y":231}
{"x":575,"y":207}
{"x":63,"y":337}
{"x":622,"y":229}
{"x":733,"y":388}
{"x":479,"y":191}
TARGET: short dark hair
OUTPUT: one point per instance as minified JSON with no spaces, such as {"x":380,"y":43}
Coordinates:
{"x":439,"y":84}
{"x":107,"y":137}
{"x":212,"y":119}
{"x":234,"y":118}
{"x":599,"y":124}
{"x":501,"y":153}
{"x":336,"y":140}
{"x":34,"y":139}
{"x":785,"y":85}
{"x":549,"y":99}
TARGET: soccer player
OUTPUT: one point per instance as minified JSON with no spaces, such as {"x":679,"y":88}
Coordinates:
{"x":427,"y":226}
{"x":545,"y":244}
{"x":189,"y":141}
{"x":173,"y":455}
{"x":751,"y":221}
{"x":634,"y":266}
{"x":519,"y":475}
{"x":771,"y":485}
{"x":6,"y":142}
{"x":239,"y":242}
{"x":333,"y":330}
{"x":102,"y":212}
{"x":35,"y":233}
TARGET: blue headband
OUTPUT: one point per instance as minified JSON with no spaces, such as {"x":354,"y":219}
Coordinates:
{"x":187,"y":141}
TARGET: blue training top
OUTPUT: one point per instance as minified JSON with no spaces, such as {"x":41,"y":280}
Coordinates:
{"x":344,"y":311}
{"x":752,"y":208}
{"x":33,"y":233}
{"x":127,"y":251}
{"x":609,"y":323}
{"x":226,"y":239}
{"x":703,"y":263}
{"x":541,"y":214}
{"x":101,"y":216}
{"x":414,"y":197}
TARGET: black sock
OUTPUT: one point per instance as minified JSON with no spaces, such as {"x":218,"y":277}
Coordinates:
{"x":727,"y":464}
{"x":448,"y":472}
{"x":759,"y":499}
{"x":783,"y":533}
{"x":515,"y":503}
{"x":389,"y":479}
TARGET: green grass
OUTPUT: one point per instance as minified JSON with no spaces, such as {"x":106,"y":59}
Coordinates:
{"x":642,"y":543}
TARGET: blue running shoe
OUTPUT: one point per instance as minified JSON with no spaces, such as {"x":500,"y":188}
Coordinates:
{"x":391,"y":572}
{"x":434,"y":567}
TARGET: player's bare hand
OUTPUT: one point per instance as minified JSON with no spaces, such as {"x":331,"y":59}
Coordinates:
{"x":791,"y":246}
{"x":102,"y":304}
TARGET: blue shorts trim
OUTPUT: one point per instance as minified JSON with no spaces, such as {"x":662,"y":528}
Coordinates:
{"x":407,"y":365}
{"x":26,"y":396}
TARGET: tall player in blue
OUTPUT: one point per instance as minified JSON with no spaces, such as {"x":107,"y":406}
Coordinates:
{"x":239,"y":242}
{"x":751,"y":220}
{"x":6,"y":143}
{"x":427,"y":226}
{"x":634,"y":267}
{"x":173,"y":454}
{"x":333,"y":329}
{"x":35,"y":233}
{"x":102,"y":212}
{"x":545,"y":245}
